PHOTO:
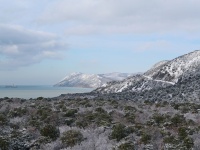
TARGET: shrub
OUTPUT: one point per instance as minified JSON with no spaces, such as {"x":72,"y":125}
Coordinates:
{"x":4,"y":144}
{"x":82,"y":123}
{"x":100,"y":110}
{"x":101,"y":118}
{"x":72,"y":137}
{"x":178,"y":120}
{"x":126,"y":146}
{"x":118,"y":132}
{"x":18,"y":112}
{"x":145,"y":138}
{"x":130,"y":117}
{"x":71,"y":113}
{"x":3,"y":119}
{"x":169,"y":139}
{"x":188,"y":142}
{"x":130,"y":109}
{"x":158,"y":118}
{"x":182,"y":132}
{"x":40,"y":98}
{"x":69,"y":121}
{"x":44,"y":112}
{"x":50,"y":131}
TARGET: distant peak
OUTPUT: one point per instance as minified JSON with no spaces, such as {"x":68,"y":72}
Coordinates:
{"x":75,"y":73}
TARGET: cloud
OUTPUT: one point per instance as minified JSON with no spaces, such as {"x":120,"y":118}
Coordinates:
{"x":153,"y":45}
{"x":21,"y":47}
{"x":128,"y":16}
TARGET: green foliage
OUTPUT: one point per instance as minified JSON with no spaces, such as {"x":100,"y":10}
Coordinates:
{"x":118,"y":132}
{"x":130,"y":117}
{"x":18,"y":112}
{"x":158,"y":118}
{"x":126,"y":146}
{"x":146,"y":138}
{"x":4,"y":144}
{"x":188,"y":142}
{"x":50,"y":131}
{"x":130,"y":109}
{"x":3,"y":119}
{"x":69,"y":121}
{"x":170,"y":139}
{"x":114,"y":103}
{"x":44,"y":112}
{"x":176,"y":106}
{"x":147,"y":102}
{"x":15,"y":134}
{"x":34,"y":122}
{"x":85,"y":103}
{"x":71,"y":138}
{"x":178,"y":120}
{"x":100,"y":118}
{"x":185,"y":109}
{"x":100,"y":110}
{"x":40,"y":98}
{"x":130,"y":129}
{"x":82,"y":123}
{"x":71,"y":113}
{"x":182,"y":133}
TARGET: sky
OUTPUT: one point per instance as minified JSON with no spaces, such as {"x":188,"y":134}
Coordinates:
{"x":43,"y":41}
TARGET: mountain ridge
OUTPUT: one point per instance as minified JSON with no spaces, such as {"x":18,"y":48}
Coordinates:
{"x":78,"y":79}
{"x":162,"y":74}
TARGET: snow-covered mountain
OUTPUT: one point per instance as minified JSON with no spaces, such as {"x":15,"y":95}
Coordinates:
{"x":162,"y":74}
{"x":172,"y":70}
{"x":91,"y":80}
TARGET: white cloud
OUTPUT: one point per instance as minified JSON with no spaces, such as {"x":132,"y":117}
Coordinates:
{"x":22,"y":47}
{"x":154,"y":45}
{"x":128,"y":16}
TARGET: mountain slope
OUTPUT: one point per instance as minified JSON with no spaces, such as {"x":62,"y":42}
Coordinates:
{"x":163,"y":74}
{"x":172,"y":70}
{"x":91,"y":80}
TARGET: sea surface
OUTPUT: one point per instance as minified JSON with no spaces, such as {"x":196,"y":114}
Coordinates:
{"x":30,"y":91}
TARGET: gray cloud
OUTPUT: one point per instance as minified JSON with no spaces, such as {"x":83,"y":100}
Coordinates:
{"x":128,"y":16}
{"x":21,"y":47}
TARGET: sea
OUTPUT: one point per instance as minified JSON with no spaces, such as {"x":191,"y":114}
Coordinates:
{"x":34,"y":91}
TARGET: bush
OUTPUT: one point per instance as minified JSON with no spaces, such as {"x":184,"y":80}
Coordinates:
{"x":126,"y":146}
{"x":130,"y":117}
{"x":40,"y":98}
{"x":18,"y":112}
{"x":188,"y":142}
{"x":178,"y":120}
{"x":100,"y":118}
{"x":72,"y":137}
{"x":44,"y":112}
{"x":118,"y":132}
{"x":3,"y":119}
{"x":4,"y":144}
{"x":182,"y":132}
{"x":71,"y":113}
{"x":50,"y":131}
{"x":130,"y":109}
{"x":100,"y":110}
{"x":145,"y":138}
{"x":170,"y":139}
{"x":158,"y":118}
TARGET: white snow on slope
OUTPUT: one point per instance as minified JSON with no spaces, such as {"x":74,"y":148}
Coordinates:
{"x":162,"y":74}
{"x":91,"y":80}
{"x":172,"y":70}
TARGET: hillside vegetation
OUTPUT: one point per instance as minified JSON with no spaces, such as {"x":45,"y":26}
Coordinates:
{"x":88,"y":124}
